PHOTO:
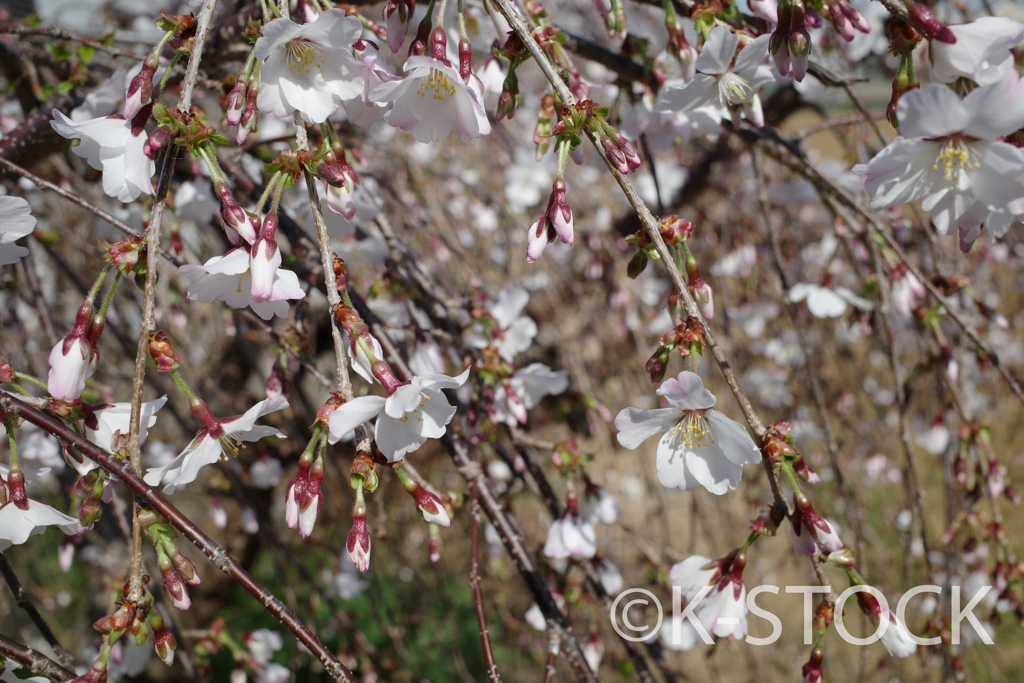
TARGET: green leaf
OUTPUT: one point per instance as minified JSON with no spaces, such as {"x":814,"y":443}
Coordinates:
{"x":86,"y":53}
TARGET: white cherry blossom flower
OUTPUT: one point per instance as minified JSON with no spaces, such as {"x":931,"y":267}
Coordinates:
{"x":981,"y":51}
{"x":514,"y":333}
{"x":600,"y":505}
{"x":827,"y":302}
{"x":525,"y":389}
{"x":308,"y":68}
{"x":571,"y":536}
{"x":72,"y":361}
{"x":949,"y":156}
{"x":896,"y":637}
{"x":112,"y":146}
{"x":692,"y":574}
{"x":700,"y":447}
{"x":17,"y":524}
{"x":609,"y":574}
{"x":723,"y":610}
{"x":16,"y":221}
{"x":433,"y":100}
{"x":722,"y":84}
{"x":935,"y":439}
{"x":108,"y":420}
{"x":414,"y":412}
{"x":227,"y":278}
{"x":209,"y":443}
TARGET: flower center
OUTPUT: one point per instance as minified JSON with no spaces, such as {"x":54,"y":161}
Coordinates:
{"x":732,"y":89}
{"x":231,"y":443}
{"x":693,"y":430}
{"x":954,"y":157}
{"x":415,"y":412}
{"x":303,"y":54}
{"x":437,"y":84}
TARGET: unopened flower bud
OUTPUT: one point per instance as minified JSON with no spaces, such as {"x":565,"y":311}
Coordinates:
{"x":637,"y":264}
{"x":930,"y":27}
{"x":235,"y":102}
{"x":125,"y":254}
{"x":156,"y":141}
{"x":164,"y":643}
{"x":162,"y":352}
{"x":6,"y":371}
{"x":358,"y":544}
{"x":141,"y":88}
{"x":465,"y":60}
{"x":657,"y":365}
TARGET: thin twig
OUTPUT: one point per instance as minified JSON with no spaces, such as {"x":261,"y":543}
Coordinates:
{"x":21,"y":597}
{"x":474,"y":582}
{"x":14,"y":406}
{"x":148,"y":325}
{"x":66,"y":35}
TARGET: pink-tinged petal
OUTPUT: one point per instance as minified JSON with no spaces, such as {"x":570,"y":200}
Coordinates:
{"x":931,"y":112}
{"x":998,"y":182}
{"x":981,"y":51}
{"x":636,"y":426}
{"x":347,"y":417}
{"x":901,"y":173}
{"x":68,"y":371}
{"x":263,"y":267}
{"x":686,"y":392}
{"x":997,"y":109}
{"x":718,"y":51}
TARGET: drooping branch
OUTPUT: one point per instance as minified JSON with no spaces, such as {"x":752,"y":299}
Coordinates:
{"x":21,"y":597}
{"x":13,"y":406}
{"x":36,"y":662}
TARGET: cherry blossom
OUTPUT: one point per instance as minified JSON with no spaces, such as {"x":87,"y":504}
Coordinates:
{"x":896,"y":637}
{"x":948,"y":154}
{"x":411,"y":413}
{"x":700,"y":447}
{"x":107,"y":425}
{"x":571,"y":536}
{"x":16,"y":221}
{"x":811,"y":532}
{"x":22,"y":517}
{"x":308,"y":68}
{"x":827,"y":302}
{"x":524,"y":390}
{"x":112,"y":145}
{"x":210,"y":443}
{"x":723,"y":610}
{"x":228,"y":278}
{"x":721,"y":83}
{"x":981,"y":51}
{"x":432,"y":99}
{"x":514,"y":333}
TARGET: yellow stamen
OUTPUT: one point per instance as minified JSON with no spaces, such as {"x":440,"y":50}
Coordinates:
{"x":437,"y":84}
{"x":302,"y":54}
{"x":692,"y":430}
{"x":732,"y":89}
{"x":954,"y":157}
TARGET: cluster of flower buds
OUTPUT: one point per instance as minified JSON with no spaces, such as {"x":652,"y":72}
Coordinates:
{"x":621,"y":152}
{"x":126,"y":254}
{"x":111,"y":628}
{"x":811,"y":531}
{"x":429,"y":505}
{"x":790,"y":44}
{"x":74,"y":358}
{"x":177,"y":570}
{"x":303,"y":497}
{"x":90,"y":488}
{"x":688,"y":337}
{"x":557,"y":222}
{"x":240,"y":105}
{"x":846,"y":19}
{"x":678,"y":46}
{"x":674,"y":231}
{"x":614,"y":17}
{"x":779,"y":444}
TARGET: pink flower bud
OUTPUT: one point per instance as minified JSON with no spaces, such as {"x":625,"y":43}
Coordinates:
{"x":764,"y":9}
{"x":559,"y":212}
{"x":236,"y":102}
{"x":358,"y":544}
{"x":930,"y":27}
{"x":157,"y":140}
{"x":465,"y":60}
{"x":140,"y":89}
{"x":537,"y":239}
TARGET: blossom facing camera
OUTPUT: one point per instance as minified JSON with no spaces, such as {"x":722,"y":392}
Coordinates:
{"x":308,"y":68}
{"x":700,"y":445}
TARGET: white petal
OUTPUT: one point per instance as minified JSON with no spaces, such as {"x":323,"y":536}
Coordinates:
{"x":686,"y":391}
{"x":636,"y":426}
{"x":347,"y":417}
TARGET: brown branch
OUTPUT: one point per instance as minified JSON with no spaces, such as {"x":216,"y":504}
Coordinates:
{"x":12,"y":405}
{"x":67,"y":35}
{"x":21,"y":597}
{"x":36,"y":662}
{"x":474,"y":582}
